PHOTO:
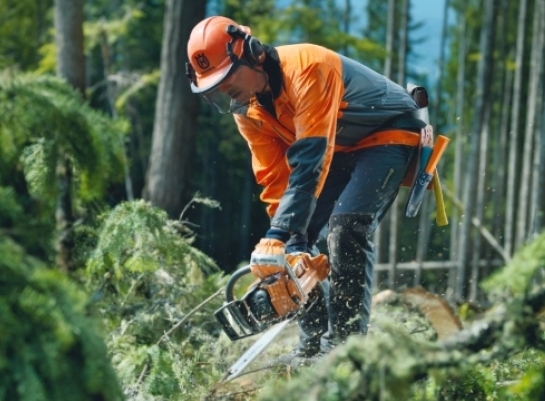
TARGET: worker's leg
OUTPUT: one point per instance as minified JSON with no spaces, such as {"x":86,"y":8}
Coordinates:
{"x":315,"y":322}
{"x":358,"y":191}
{"x":375,"y":180}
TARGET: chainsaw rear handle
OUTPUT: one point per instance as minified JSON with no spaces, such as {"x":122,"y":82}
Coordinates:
{"x":237,"y":275}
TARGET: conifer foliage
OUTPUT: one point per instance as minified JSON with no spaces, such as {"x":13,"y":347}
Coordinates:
{"x":46,"y":118}
{"x":148,"y":282}
{"x":41,"y":120}
{"x":50,"y":348}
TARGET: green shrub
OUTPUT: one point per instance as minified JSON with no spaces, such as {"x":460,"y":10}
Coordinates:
{"x":146,"y":277}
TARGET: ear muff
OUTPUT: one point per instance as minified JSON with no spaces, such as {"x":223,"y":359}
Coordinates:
{"x":253,"y":50}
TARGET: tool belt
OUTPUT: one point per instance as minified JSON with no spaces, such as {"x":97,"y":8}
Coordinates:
{"x":422,"y":174}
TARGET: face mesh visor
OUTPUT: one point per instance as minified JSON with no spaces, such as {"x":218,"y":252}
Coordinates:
{"x":221,"y":101}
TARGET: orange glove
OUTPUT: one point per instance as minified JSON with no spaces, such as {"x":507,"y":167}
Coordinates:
{"x":268,"y":258}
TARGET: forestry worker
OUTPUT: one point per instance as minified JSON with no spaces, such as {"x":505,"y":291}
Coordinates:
{"x":313,"y":120}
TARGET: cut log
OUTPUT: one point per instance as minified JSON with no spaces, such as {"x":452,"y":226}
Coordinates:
{"x":436,"y":309}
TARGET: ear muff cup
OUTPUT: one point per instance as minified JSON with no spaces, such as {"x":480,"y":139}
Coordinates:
{"x":253,"y":51}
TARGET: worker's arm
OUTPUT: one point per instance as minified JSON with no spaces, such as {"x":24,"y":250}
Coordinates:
{"x":316,"y":95}
{"x":269,"y":161}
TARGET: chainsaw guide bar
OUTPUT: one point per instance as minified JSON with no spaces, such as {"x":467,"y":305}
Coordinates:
{"x":238,"y":367}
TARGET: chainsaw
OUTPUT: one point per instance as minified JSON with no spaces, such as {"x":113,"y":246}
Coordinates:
{"x":272,"y":300}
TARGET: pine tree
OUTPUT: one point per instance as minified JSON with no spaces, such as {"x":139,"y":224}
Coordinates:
{"x":40,"y":118}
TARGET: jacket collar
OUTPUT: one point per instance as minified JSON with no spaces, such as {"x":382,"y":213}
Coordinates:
{"x":271,"y":66}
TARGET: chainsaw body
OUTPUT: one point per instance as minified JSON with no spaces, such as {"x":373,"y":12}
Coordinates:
{"x":281,"y":295}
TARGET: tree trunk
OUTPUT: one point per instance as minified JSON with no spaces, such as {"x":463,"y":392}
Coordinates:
{"x":394,"y":211}
{"x":176,"y":112}
{"x":390,"y":39}
{"x":500,"y":138}
{"x":458,"y":149}
{"x":480,"y":206}
{"x":514,"y":132}
{"x":440,"y":66}
{"x":482,"y":97}
{"x":110,"y":97}
{"x":69,"y":42}
{"x":346,"y":22}
{"x":502,"y":155}
{"x":530,"y":131}
{"x":70,"y":65}
{"x":540,"y":180}
{"x":501,"y":151}
{"x":403,"y":42}
{"x":538,"y":168}
{"x":540,"y":204}
{"x":424,"y":226}
{"x":383,"y":236}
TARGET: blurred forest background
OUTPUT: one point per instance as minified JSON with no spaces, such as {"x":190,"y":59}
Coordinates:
{"x":117,"y":182}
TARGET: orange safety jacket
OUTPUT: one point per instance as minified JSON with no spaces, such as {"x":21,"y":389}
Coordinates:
{"x":322,"y":103}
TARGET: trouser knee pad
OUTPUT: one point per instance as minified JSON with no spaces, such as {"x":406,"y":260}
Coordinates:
{"x":352,"y":258}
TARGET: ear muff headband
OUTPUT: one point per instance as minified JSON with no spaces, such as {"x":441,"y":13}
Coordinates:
{"x":252,"y":48}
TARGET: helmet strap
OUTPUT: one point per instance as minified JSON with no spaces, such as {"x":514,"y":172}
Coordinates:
{"x":190,"y":73}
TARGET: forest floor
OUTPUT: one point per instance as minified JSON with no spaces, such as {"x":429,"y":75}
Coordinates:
{"x":260,"y":372}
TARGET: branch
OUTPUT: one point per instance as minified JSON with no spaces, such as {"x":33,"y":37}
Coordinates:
{"x":184,"y":319}
{"x":191,"y":313}
{"x":478,"y":224}
{"x":230,"y":395}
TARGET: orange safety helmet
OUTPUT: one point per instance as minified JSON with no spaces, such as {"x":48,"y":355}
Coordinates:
{"x":208,"y":53}
{"x":217,"y":46}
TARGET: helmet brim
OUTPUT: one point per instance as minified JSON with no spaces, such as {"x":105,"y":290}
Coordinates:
{"x":213,"y":80}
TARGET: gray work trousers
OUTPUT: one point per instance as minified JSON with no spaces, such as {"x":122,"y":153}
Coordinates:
{"x":359,"y":189}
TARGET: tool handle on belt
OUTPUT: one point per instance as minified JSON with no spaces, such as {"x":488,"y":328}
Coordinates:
{"x":438,"y":149}
{"x":440,"y":212}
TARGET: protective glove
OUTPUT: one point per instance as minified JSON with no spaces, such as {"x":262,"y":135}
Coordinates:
{"x":268,"y":258}
{"x":269,"y":255}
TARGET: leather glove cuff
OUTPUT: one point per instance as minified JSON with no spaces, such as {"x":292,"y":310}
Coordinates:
{"x":297,"y":243}
{"x":278,"y":233}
